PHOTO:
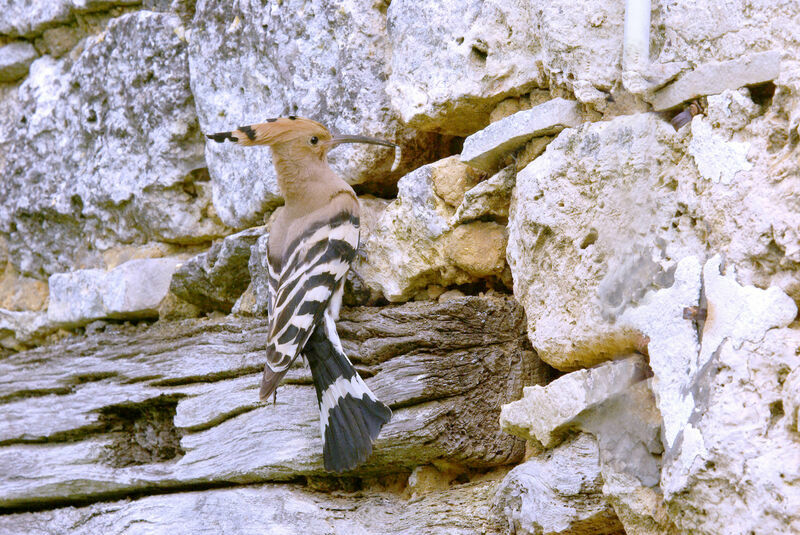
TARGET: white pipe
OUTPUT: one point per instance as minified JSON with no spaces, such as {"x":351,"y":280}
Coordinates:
{"x":636,"y":47}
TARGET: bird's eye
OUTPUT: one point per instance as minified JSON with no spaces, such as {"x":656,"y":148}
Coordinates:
{"x":314,"y":140}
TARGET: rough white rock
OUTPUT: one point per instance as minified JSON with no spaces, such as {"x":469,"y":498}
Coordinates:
{"x":489,"y":199}
{"x":104,"y":149}
{"x":715,"y":77}
{"x":485,"y":52}
{"x":589,"y":233}
{"x":672,"y":343}
{"x":717,"y":160}
{"x":547,"y":413}
{"x":15,"y":60}
{"x":215,"y":279}
{"x":484,"y":149}
{"x":323,"y":61}
{"x":28,"y":17}
{"x":20,"y":328}
{"x":722,"y":405}
{"x":628,"y":432}
{"x":558,"y":492}
{"x":131,"y":290}
{"x":413,"y":244}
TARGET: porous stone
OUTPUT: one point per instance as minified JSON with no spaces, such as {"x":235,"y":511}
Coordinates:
{"x":18,"y":292}
{"x":103,"y":149}
{"x":486,"y":52}
{"x":548,"y":413}
{"x":452,"y":180}
{"x":214,"y":280}
{"x":559,"y":491}
{"x":293,"y":70}
{"x":15,"y":60}
{"x":717,"y":160}
{"x":715,"y":77}
{"x":30,"y":17}
{"x":489,"y":199}
{"x":672,"y":342}
{"x":627,"y":427}
{"x":21,"y":329}
{"x":414,"y":245}
{"x":721,"y":401}
{"x":132,"y":290}
{"x":484,"y":149}
{"x":594,"y":206}
{"x":479,"y":248}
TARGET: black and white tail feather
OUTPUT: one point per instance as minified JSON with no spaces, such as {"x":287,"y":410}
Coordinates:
{"x":305,"y":295}
{"x":350,"y":416}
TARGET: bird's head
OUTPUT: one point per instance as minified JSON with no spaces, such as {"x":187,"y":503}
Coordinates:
{"x":293,"y":137}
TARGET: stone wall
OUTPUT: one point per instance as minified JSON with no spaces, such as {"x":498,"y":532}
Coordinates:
{"x":577,"y":289}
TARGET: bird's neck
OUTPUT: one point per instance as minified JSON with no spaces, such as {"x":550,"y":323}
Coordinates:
{"x":307,"y":184}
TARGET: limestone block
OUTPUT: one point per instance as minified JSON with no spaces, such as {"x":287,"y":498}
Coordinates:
{"x":717,"y":160}
{"x":721,"y":402}
{"x":214,"y":280}
{"x":412,"y":247}
{"x":479,"y":248}
{"x":452,"y":180}
{"x":76,"y":296}
{"x":132,"y":290}
{"x":672,"y":342}
{"x":627,"y":428}
{"x":486,"y":52}
{"x":484,"y":149}
{"x":29,"y":17}
{"x":15,"y":60}
{"x":489,"y":199}
{"x":559,"y":491}
{"x":547,"y":413}
{"x":715,"y":77}
{"x":104,"y":148}
{"x":292,"y":69}
{"x":589,"y":234}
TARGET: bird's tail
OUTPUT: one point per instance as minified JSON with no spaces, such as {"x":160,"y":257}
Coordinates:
{"x":350,"y":415}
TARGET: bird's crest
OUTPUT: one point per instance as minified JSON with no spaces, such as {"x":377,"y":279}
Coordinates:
{"x":274,"y":131}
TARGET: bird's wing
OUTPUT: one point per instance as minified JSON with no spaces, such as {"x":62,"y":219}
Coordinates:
{"x":310,"y":272}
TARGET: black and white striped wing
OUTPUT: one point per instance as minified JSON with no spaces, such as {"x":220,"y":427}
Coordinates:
{"x":310,"y":272}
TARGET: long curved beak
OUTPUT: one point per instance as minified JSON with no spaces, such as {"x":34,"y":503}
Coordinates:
{"x":339,"y":139}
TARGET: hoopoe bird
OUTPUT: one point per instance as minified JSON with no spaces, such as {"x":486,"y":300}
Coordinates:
{"x":312,"y":243}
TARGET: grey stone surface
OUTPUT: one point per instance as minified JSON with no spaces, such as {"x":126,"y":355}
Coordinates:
{"x":672,"y":342}
{"x":627,"y":428}
{"x":30,"y":17}
{"x":489,"y":199}
{"x":104,"y":149}
{"x":131,"y":290}
{"x":715,"y":77}
{"x":15,"y":60}
{"x":484,"y":149}
{"x":548,"y":413}
{"x":485,"y":52}
{"x":559,"y":491}
{"x":413,"y":244}
{"x":322,"y":61}
{"x":215,"y":279}
{"x":595,"y":206}
{"x":279,"y":509}
{"x":444,"y":369}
